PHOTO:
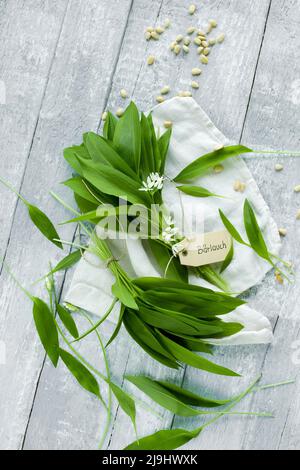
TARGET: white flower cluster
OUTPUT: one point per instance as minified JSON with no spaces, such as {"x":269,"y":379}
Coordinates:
{"x":170,"y":231}
{"x":154,"y":182}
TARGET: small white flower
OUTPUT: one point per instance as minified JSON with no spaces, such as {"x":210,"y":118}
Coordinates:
{"x":154,"y":181}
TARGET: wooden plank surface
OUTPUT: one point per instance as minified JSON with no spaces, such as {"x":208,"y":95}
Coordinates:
{"x":250,"y":91}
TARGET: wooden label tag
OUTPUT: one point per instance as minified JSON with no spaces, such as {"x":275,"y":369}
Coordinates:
{"x":207,"y":248}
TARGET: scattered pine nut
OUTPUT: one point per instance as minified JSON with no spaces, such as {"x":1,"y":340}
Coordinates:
{"x":151,"y":60}
{"x":177,"y":49}
{"x":165,"y":90}
{"x":297,"y":188}
{"x":120,"y":112}
{"x":147,"y":36}
{"x":179,"y":38}
{"x":203,"y":59}
{"x":185,"y":49}
{"x":212,"y":42}
{"x":167,"y":23}
{"x":201,"y":33}
{"x":197,"y":41}
{"x":204,"y":43}
{"x":213,"y":23}
{"x":200,"y":50}
{"x":298,"y":215}
{"x":159,"y":30}
{"x":168,"y":124}
{"x":154,"y":35}
{"x":221,"y":38}
{"x":192,"y":9}
{"x":104,"y":116}
{"x":173,"y":45}
{"x":123,"y":94}
{"x":278,"y":167}
{"x":196,"y":72}
{"x":206,"y":51}
{"x":187,"y":41}
{"x":149,"y":29}
{"x":282,"y":232}
{"x":218,"y":169}
{"x":187,"y":94}
{"x":239,"y":186}
{"x":209,"y":29}
{"x":191,"y":30}
{"x":160,"y":99}
{"x":195,"y":85}
{"x":278,"y":277}
{"x":218,"y":147}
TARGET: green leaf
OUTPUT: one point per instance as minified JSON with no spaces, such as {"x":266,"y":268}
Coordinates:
{"x":196,"y":191}
{"x":70,"y":155}
{"x":121,"y":292}
{"x":187,"y":357}
{"x":80,"y":372}
{"x":113,"y":182}
{"x":229,"y":257}
{"x":155,"y":146}
{"x":162,"y":257}
{"x":43,"y":224}
{"x":102,"y":152}
{"x":66,"y":263}
{"x":147,"y":157}
{"x":254,"y":234}
{"x":127,"y":137}
{"x":147,"y":339}
{"x":46,"y":329}
{"x":118,"y":327}
{"x":125,"y":401}
{"x":109,"y":126}
{"x":204,"y":163}
{"x":231,"y":229}
{"x":165,"y":397}
{"x":163,"y":145}
{"x":67,"y":320}
{"x":80,"y":188}
{"x":191,"y":398}
{"x":168,"y":439}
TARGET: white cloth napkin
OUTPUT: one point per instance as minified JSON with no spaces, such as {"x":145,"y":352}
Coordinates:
{"x":193,"y":135}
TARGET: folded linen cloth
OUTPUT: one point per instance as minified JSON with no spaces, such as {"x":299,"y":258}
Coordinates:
{"x":193,"y":135}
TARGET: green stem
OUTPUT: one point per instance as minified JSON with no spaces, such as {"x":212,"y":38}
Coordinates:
{"x":9,"y":186}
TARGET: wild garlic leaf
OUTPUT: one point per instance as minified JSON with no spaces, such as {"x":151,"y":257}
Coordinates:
{"x":81,"y":373}
{"x":109,"y":126}
{"x":70,"y":155}
{"x":147,"y":156}
{"x":229,"y":257}
{"x":196,"y":191}
{"x":231,"y":229}
{"x":254,"y":233}
{"x":155,"y":146}
{"x":67,"y":320}
{"x":127,"y":137}
{"x":111,"y":181}
{"x":79,"y":187}
{"x":46,"y":329}
{"x":168,"y":439}
{"x":147,"y":339}
{"x":191,"y":398}
{"x":118,"y":327}
{"x":161,"y":395}
{"x":121,"y":292}
{"x":66,"y":263}
{"x":163,"y":256}
{"x":203,"y":164}
{"x":187,"y":357}
{"x":125,"y":401}
{"x":43,"y":224}
{"x":163,"y":145}
{"x":102,"y":152}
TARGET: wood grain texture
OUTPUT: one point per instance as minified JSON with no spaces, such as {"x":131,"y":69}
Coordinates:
{"x":251,"y":92}
{"x":74,"y":97}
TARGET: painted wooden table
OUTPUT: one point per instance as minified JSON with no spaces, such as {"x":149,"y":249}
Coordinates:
{"x":63,"y":62}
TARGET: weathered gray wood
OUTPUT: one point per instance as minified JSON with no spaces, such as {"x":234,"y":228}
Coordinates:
{"x":74,"y":98}
{"x":224,"y":92}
